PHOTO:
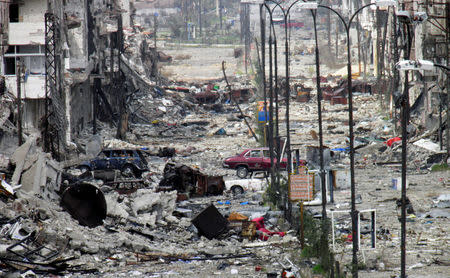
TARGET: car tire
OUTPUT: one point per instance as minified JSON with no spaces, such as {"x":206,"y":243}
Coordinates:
{"x":237,"y":190}
{"x":84,"y":169}
{"x":242,"y":172}
{"x":128,"y":171}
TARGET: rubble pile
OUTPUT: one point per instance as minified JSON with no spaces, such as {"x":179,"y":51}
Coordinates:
{"x":139,"y":227}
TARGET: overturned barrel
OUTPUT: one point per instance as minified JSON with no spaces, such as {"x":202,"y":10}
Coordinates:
{"x":86,"y":203}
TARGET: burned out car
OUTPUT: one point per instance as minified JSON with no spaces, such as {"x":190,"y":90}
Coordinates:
{"x":190,"y":181}
{"x":251,"y":160}
{"x":129,"y":161}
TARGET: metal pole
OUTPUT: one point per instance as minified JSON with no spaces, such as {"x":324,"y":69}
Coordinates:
{"x":352,"y":159}
{"x":441,"y":146}
{"x":277,"y":131}
{"x":272,"y":172}
{"x":19,"y":103}
{"x":319,"y":112}
{"x":337,"y":40}
{"x":447,"y":16}
{"x":155,"y":27}
{"x":262,"y":14}
{"x":97,"y":86}
{"x":354,"y":212}
{"x":302,"y":229}
{"x":396,"y":81}
{"x":405,"y":120}
{"x":358,"y":34}
{"x":404,"y":142}
{"x":288,"y":137}
{"x":47,"y":85}
{"x":200,"y":16}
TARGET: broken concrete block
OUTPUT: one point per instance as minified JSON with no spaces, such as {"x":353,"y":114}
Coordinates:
{"x":19,"y":158}
{"x":152,"y":207}
{"x":114,"y":208}
{"x":31,"y":178}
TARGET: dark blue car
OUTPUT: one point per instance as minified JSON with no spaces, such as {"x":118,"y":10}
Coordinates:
{"x":130,"y":162}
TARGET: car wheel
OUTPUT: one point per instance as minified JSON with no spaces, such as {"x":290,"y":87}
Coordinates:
{"x":128,"y":171}
{"x":237,"y":190}
{"x":242,"y":172}
{"x":84,"y":169}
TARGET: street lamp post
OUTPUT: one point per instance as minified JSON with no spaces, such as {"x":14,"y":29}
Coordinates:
{"x":354,"y":212}
{"x":405,"y":18}
{"x":286,"y":12}
{"x":407,"y":65}
{"x":313,"y":7}
{"x":347,"y":25}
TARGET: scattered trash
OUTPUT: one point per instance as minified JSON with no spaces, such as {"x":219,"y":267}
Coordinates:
{"x":391,"y":141}
{"x":7,"y":189}
{"x":397,"y":184}
{"x":220,"y":132}
{"x":261,"y":230}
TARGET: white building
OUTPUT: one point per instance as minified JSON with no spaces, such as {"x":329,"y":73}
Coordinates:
{"x":25,"y":45}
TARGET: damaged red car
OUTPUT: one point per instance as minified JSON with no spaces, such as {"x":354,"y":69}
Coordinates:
{"x":252,"y":160}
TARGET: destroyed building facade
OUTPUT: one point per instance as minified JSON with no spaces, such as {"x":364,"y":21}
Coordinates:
{"x":56,"y":49}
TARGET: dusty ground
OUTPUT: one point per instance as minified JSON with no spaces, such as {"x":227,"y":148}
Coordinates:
{"x":113,"y":252}
{"x":427,"y":238}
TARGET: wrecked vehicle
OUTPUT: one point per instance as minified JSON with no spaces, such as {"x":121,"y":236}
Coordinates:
{"x":190,"y":182}
{"x":251,"y":160}
{"x":256,"y":183}
{"x":130,"y":162}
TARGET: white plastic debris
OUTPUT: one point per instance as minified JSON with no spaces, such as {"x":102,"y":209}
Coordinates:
{"x":10,"y":189}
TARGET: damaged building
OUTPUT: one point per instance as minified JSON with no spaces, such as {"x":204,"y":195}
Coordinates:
{"x":52,"y":54}
{"x":146,"y":138}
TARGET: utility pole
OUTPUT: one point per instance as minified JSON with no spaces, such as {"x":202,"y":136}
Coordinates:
{"x":337,"y":40}
{"x":329,"y":26}
{"x":97,"y":88}
{"x":220,"y":14}
{"x":120,"y":88}
{"x":111,"y":48}
{"x":19,"y":102}
{"x":155,"y":27}
{"x":358,"y":34}
{"x":447,"y":36}
{"x":217,"y":7}
{"x":200,"y":16}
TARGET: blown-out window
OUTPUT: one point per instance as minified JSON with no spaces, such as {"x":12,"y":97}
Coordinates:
{"x":32,"y":57}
